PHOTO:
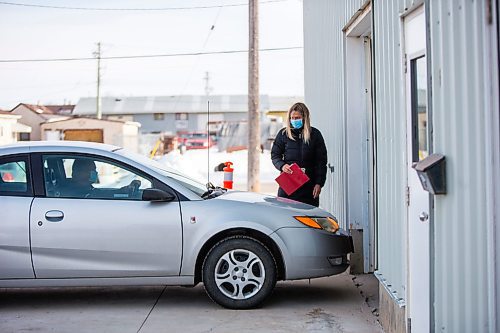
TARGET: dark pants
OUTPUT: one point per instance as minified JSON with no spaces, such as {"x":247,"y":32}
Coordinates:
{"x":303,"y":194}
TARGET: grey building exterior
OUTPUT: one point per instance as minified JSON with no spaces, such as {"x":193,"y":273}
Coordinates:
{"x":365,"y":65}
{"x":170,"y":114}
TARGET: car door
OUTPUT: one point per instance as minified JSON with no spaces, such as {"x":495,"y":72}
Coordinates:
{"x":16,"y":195}
{"x":108,"y":232}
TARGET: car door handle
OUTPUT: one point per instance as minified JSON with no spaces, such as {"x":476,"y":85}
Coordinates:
{"x":54,"y":215}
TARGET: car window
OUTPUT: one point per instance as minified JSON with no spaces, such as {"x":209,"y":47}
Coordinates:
{"x":69,"y":176}
{"x":14,"y":176}
{"x":186,"y":181}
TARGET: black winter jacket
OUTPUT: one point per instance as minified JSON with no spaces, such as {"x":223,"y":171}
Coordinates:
{"x":311,"y":156}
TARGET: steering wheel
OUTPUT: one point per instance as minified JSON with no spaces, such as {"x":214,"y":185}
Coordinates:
{"x":91,"y":191}
{"x":133,"y":188}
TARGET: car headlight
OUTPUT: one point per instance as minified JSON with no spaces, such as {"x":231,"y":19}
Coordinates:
{"x":325,"y":223}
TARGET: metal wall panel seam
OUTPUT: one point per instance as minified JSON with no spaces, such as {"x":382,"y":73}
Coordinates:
{"x":430,"y":114}
{"x":491,"y":60}
{"x":494,"y":93}
{"x":468,"y":138}
{"x":436,"y":57}
{"x":449,"y":78}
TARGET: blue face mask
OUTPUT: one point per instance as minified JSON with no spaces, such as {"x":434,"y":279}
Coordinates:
{"x":93,"y":176}
{"x":296,"y":123}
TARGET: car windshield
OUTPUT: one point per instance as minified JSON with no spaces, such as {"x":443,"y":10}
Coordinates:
{"x":189,"y":183}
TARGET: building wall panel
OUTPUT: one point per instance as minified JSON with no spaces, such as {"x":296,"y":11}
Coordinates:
{"x":466,"y":131}
{"x":324,"y":89}
{"x":391,"y":145}
{"x":465,"y":118}
{"x":325,"y":95}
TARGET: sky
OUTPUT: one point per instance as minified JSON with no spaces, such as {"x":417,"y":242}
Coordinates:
{"x":48,"y":33}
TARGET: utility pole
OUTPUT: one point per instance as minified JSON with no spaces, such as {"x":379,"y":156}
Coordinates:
{"x":97,"y":54}
{"x":253,"y":98}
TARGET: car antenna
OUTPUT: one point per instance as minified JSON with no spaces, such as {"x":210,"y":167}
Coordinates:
{"x":208,"y":141}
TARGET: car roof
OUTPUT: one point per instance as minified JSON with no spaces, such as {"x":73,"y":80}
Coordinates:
{"x":32,"y":146}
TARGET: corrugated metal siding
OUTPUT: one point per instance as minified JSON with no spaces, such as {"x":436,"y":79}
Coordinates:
{"x":324,"y":88}
{"x":464,"y":268}
{"x":324,"y":93}
{"x":391,"y":144}
{"x":463,"y":231}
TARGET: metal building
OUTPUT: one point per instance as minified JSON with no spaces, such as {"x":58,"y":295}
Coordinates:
{"x":391,"y":84}
{"x":171,"y":114}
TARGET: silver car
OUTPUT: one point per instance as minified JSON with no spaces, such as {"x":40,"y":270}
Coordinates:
{"x":85,"y":214}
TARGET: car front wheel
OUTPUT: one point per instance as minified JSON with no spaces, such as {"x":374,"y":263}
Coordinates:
{"x":239,"y":273}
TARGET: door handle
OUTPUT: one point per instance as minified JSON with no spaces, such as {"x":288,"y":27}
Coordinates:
{"x":54,"y":215}
{"x":423,"y":216}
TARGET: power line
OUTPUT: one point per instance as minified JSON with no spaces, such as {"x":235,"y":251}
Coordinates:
{"x":129,"y":9}
{"x":147,"y":55}
{"x":188,"y":80}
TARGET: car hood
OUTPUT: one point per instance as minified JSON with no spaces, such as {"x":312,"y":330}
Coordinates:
{"x":283,"y":204}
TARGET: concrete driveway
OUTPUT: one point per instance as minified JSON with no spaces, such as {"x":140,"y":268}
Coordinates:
{"x":332,"y":304}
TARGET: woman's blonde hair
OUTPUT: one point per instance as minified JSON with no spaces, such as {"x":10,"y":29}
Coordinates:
{"x":304,"y":111}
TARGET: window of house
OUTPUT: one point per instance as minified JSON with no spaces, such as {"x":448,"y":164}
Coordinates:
{"x":24,"y":136}
{"x":158,"y":116}
{"x":181,"y":116}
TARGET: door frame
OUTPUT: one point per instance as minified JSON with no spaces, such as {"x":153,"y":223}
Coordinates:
{"x":360,"y":155}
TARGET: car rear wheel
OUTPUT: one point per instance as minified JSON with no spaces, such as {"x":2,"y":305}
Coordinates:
{"x":239,"y":273}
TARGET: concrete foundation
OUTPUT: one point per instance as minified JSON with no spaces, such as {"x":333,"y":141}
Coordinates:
{"x":356,"y":258}
{"x":392,"y":317}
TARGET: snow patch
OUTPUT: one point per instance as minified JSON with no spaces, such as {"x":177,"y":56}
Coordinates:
{"x":194,"y":163}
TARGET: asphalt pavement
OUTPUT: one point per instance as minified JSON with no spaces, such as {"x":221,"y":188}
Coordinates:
{"x":341,"y":303}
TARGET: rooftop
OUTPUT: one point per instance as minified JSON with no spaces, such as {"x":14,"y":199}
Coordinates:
{"x":181,"y":104}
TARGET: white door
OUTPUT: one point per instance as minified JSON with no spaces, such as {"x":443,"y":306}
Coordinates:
{"x":418,"y":305}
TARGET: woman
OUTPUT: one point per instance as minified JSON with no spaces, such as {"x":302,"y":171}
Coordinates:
{"x":300,"y":143}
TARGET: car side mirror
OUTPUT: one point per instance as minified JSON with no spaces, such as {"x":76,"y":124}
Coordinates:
{"x":157,"y":195}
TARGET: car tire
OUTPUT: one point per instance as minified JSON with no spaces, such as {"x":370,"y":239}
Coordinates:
{"x":239,"y":273}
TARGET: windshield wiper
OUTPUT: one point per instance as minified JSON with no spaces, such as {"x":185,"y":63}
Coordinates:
{"x":213,"y":191}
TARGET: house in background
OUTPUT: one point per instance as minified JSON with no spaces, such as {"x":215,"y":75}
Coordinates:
{"x":11,"y":130}
{"x":114,"y":132}
{"x":173,"y":114}
{"x":393,"y":85}
{"x":35,"y":115}
{"x":61,"y":109}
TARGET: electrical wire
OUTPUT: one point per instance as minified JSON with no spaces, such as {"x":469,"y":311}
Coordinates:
{"x":195,"y":65}
{"x":129,"y":9}
{"x":148,"y":55}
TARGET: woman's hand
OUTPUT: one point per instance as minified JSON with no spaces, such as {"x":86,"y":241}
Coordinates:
{"x":316,"y":191}
{"x":287,"y":168}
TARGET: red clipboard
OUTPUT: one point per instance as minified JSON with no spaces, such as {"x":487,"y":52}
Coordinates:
{"x":291,"y":182}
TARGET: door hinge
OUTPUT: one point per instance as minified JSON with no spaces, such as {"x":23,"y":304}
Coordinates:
{"x":408,"y":330}
{"x":405,"y":57}
{"x":407,"y":195}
